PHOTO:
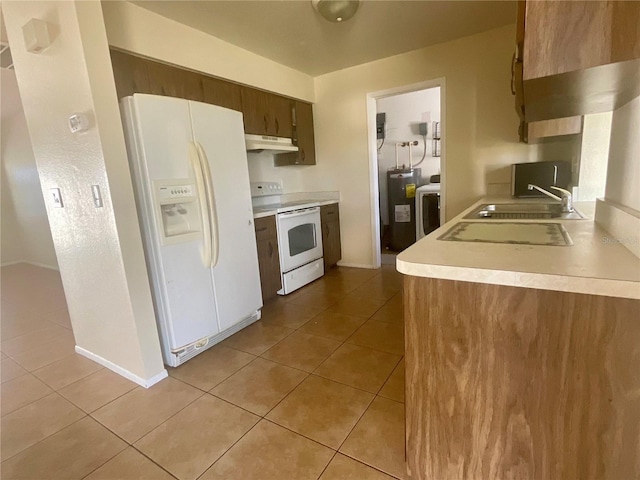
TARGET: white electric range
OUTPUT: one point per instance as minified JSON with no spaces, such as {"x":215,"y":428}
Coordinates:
{"x":299,"y":234}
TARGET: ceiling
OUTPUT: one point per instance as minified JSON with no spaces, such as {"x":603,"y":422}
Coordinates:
{"x":294,"y":34}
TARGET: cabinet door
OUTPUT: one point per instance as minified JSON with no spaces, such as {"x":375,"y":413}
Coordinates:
{"x":224,"y":94}
{"x":303,"y":125}
{"x":280,"y":124}
{"x":174,"y":82}
{"x":269,"y":266}
{"x":331,"y":247}
{"x":306,"y":136}
{"x":130,"y":74}
{"x":268,"y":257}
{"x":255,"y":109}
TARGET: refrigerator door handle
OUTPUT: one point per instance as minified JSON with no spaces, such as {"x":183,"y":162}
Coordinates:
{"x":211,"y":202}
{"x":194,"y":159}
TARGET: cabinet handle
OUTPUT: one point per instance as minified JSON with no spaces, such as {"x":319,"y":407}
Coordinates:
{"x":261,"y":229}
{"x":302,"y":154}
{"x":277,"y":126}
{"x":265,"y":123}
{"x":270,"y":250}
{"x":513,"y":74}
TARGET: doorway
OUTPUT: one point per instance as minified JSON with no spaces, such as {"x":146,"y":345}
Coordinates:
{"x":407,"y":164}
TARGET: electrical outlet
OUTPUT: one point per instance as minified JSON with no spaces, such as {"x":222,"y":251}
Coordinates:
{"x":56,"y":196}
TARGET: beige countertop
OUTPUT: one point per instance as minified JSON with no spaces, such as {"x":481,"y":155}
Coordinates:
{"x":595,"y":264}
{"x":267,"y":213}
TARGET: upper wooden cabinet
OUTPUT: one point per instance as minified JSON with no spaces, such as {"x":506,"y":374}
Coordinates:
{"x":266,"y":113}
{"x":303,"y":133}
{"x":174,"y":82}
{"x":224,"y":94}
{"x":576,"y":57}
{"x":130,"y":74}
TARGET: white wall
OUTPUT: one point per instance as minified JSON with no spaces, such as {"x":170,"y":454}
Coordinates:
{"x":403,"y":114}
{"x":481,"y":139}
{"x":623,"y":173}
{"x":135,"y":29}
{"x":99,"y":249}
{"x":596,"y":135}
{"x":25,"y":228}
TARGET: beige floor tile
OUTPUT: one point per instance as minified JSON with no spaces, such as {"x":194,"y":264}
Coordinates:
{"x":302,"y":350}
{"x":275,"y":454}
{"x":211,"y":367}
{"x":60,"y":317}
{"x":70,"y":454}
{"x":129,"y":465}
{"x":66,"y":371}
{"x":10,"y":370}
{"x":259,"y":386}
{"x":141,"y":410}
{"x":28,"y":342}
{"x":333,"y":325}
{"x":287,"y":314}
{"x":394,"y":388}
{"x":357,"y":306}
{"x":314,"y":299}
{"x":36,"y":421}
{"x":376,"y":289}
{"x":345,"y":468}
{"x":25,"y":323}
{"x":50,"y":352}
{"x":391,"y":311}
{"x":322,"y":410}
{"x":96,"y":390}
{"x":354,"y":275}
{"x":387,"y":337}
{"x":191,"y":441}
{"x":378,"y":438}
{"x":22,"y":391}
{"x":257,"y":338}
{"x":358,"y":367}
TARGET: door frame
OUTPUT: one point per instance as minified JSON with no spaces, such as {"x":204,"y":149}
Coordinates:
{"x":374,"y":187}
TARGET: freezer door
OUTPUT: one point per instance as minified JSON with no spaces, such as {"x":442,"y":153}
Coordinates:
{"x":159,"y":143}
{"x":219,"y":134}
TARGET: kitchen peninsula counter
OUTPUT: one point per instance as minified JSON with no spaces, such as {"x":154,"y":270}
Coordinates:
{"x":595,"y":264}
{"x":522,"y":361}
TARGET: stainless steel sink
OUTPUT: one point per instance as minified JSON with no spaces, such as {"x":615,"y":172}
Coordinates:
{"x":522,"y":211}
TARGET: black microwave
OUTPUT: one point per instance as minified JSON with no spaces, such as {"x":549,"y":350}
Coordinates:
{"x":542,"y":174}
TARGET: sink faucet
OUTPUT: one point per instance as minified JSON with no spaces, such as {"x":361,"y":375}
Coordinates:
{"x":565,"y":200}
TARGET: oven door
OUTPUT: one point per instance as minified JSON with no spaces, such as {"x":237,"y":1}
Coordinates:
{"x":299,"y":238}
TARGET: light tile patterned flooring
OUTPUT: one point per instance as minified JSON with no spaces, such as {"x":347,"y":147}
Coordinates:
{"x":313,"y":390}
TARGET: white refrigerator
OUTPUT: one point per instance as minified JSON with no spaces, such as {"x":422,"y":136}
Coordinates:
{"x":191,"y":179}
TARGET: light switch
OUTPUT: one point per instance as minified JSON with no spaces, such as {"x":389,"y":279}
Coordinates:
{"x":56,"y":196}
{"x":97,"y":196}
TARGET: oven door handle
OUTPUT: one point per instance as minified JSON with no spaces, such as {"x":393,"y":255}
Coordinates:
{"x":299,"y":213}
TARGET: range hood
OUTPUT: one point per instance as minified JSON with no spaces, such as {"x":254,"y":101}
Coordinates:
{"x":258,"y":143}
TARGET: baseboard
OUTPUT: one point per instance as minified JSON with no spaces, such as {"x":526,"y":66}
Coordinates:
{"x":146,"y":383}
{"x":35,"y":264}
{"x":356,"y":265}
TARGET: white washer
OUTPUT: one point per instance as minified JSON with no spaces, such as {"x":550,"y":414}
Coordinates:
{"x":427,"y":209}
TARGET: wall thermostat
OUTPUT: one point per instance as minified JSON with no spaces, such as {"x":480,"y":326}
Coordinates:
{"x":78,"y":122}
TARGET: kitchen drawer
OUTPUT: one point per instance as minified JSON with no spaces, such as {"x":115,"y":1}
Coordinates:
{"x":329,"y":213}
{"x":265,"y":227}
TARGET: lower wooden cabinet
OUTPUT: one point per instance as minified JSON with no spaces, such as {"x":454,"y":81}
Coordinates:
{"x":268,"y":257}
{"x":331,"y":247}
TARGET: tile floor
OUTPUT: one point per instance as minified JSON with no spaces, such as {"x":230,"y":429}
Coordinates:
{"x":312,"y":391}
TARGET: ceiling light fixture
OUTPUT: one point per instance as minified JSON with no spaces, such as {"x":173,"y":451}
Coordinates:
{"x":336,"y":10}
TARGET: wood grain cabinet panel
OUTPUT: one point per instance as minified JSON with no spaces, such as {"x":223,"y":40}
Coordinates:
{"x":577,"y":57}
{"x":331,"y":246}
{"x":224,"y":94}
{"x":174,"y":82}
{"x":505,"y":382}
{"x":266,"y":113}
{"x":130,"y":73}
{"x":304,"y":135}
{"x":268,"y":256}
